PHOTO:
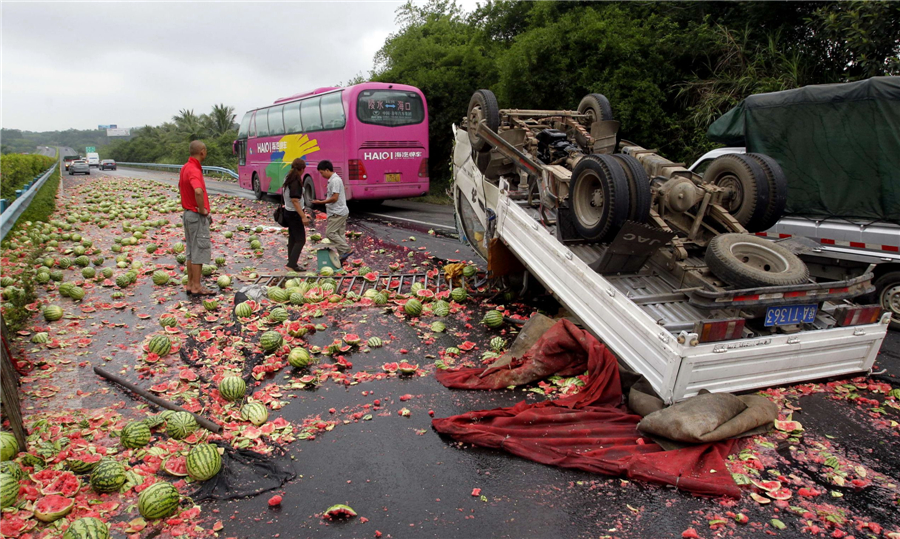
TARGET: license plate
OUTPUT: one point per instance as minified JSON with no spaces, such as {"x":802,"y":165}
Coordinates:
{"x":785,"y":316}
{"x":394,"y":178}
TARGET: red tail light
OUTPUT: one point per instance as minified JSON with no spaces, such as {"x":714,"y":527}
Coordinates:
{"x":719,"y":330}
{"x":357,"y":170}
{"x":423,"y":168}
{"x":857,"y":316}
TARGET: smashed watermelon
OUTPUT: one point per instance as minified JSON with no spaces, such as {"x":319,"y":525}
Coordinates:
{"x":53,"y":507}
{"x":352,"y":339}
{"x":766,"y":485}
{"x":788,"y":426}
{"x":15,"y":525}
{"x":66,"y":484}
{"x":390,"y":367}
{"x":371,"y":277}
{"x":176,"y":466}
{"x":466,"y":346}
{"x":339,"y":511}
{"x":407,"y":368}
{"x":779,"y":494}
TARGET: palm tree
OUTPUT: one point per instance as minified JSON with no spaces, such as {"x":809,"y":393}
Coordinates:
{"x":188,"y":124}
{"x":221,"y":119}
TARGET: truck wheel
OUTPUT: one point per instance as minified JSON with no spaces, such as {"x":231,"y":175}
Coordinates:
{"x":597,"y":107}
{"x":482,"y":106}
{"x":887,"y":289}
{"x":599,"y":197}
{"x":257,"y":188}
{"x":747,"y":261}
{"x":777,"y":191}
{"x":748,"y":182}
{"x":638,"y":188}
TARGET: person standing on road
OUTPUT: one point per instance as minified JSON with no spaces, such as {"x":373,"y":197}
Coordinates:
{"x":297,"y":221}
{"x":336,"y":208}
{"x":196,"y":218}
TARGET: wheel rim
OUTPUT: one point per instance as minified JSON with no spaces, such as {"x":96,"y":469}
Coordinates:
{"x":890,"y":301}
{"x":256,"y":187}
{"x":737,"y":198}
{"x":308,"y":194}
{"x":476,"y":115}
{"x":588,"y":199}
{"x":759,"y":258}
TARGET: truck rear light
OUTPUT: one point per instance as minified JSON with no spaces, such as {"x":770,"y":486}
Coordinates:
{"x":357,"y":170}
{"x":719,"y":330}
{"x":856,"y":316}
{"x":423,"y":168}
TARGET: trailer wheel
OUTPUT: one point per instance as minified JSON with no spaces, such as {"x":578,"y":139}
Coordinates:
{"x":638,"y":188}
{"x":747,"y":261}
{"x":482,"y":106}
{"x":777,"y":191}
{"x":599,"y":197}
{"x":597,"y":107}
{"x":887,"y":289}
{"x":748,"y":182}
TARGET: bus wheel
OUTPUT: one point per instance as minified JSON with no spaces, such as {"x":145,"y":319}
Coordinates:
{"x":309,"y":194}
{"x":257,"y":188}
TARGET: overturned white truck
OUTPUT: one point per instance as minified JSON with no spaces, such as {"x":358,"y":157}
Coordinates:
{"x":659,"y":264}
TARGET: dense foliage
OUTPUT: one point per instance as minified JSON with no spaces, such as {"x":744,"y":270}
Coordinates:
{"x":16,"y":141}
{"x":17,"y":169}
{"x":668,"y":68}
{"x":168,"y":143}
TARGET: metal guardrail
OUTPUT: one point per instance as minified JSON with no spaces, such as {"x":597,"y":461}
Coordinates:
{"x":24,"y":196}
{"x":221,"y":170}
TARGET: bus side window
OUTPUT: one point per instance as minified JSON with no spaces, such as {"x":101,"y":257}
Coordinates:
{"x":292,"y":123}
{"x":333,"y":111}
{"x":253,"y":125}
{"x":245,"y":126}
{"x":276,"y":123}
{"x":262,"y":123}
{"x":309,"y":112}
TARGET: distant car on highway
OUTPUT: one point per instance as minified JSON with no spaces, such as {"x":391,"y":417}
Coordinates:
{"x":108,"y":164}
{"x":79,"y":167}
{"x":69,"y":159}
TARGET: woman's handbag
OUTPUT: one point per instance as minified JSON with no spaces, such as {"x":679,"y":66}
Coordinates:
{"x":280,"y":216}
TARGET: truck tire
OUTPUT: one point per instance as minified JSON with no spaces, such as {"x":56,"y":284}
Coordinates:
{"x":777,"y":191}
{"x":599,"y":197}
{"x":638,"y":188}
{"x":887,"y":290}
{"x":597,"y":107}
{"x":747,"y":261}
{"x":309,"y":193}
{"x":748,"y":181}
{"x":257,"y":188}
{"x":482,"y":106}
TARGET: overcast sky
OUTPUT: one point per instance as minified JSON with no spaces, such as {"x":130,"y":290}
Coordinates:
{"x":78,"y":64}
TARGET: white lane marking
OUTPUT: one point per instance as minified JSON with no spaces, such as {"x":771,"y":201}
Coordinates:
{"x":391,"y":217}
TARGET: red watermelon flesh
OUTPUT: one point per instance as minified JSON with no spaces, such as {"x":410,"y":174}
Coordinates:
{"x":14,"y":526}
{"x":371,"y":277}
{"x":424,"y":294}
{"x":176,"y":466}
{"x":308,"y":379}
{"x":53,"y":507}
{"x":767,"y":485}
{"x":390,"y":367}
{"x":66,"y":484}
{"x":45,"y":477}
{"x":407,"y":368}
{"x":351,"y":338}
{"x":779,"y":494}
{"x":340,"y":511}
{"x":466,"y":346}
{"x":187,"y":374}
{"x":788,"y":426}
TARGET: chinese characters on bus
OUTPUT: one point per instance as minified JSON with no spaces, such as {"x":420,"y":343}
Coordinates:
{"x":390,"y":108}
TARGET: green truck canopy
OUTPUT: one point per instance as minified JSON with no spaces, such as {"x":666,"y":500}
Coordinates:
{"x":839,"y":145}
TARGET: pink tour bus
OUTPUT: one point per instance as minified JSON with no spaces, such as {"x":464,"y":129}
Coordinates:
{"x":375,"y":134}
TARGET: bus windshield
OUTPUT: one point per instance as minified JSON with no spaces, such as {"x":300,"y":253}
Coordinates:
{"x":390,"y":108}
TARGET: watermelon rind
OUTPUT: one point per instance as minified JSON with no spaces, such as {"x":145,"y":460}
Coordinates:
{"x":87,"y":528}
{"x":255,"y":413}
{"x":340,"y":511}
{"x":53,"y":507}
{"x":158,"y":500}
{"x":9,"y":490}
{"x":375,"y":342}
{"x":12,"y":468}
{"x":107,"y":476}
{"x":203,"y":462}
{"x":9,"y":447}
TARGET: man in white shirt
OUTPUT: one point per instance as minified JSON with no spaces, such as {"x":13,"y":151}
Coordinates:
{"x":336,"y":208}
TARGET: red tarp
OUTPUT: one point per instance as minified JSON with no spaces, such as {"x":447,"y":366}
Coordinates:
{"x":589,"y":431}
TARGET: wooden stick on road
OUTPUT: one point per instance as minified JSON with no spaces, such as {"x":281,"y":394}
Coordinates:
{"x":205,"y":423}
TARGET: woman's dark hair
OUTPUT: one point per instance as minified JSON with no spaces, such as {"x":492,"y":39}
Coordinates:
{"x":296,"y":173}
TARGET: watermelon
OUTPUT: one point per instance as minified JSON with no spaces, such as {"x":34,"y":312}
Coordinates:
{"x":296,"y":298}
{"x":123,"y":281}
{"x":493,"y":319}
{"x":271,"y":341}
{"x":232,"y":388}
{"x":181,"y":425}
{"x":380,"y":299}
{"x":220,"y":261}
{"x":159,"y":345}
{"x":762,"y":500}
{"x":413,"y":307}
{"x":393,"y":266}
{"x":40,"y":337}
{"x":135,"y":435}
{"x":64,"y":262}
{"x":255,"y":413}
{"x":278,"y":315}
{"x":12,"y":468}
{"x":469,"y":271}
{"x":168,"y":321}
{"x":415,"y":287}
{"x":87,"y":273}
{"x":299,"y":358}
{"x":82,"y":261}
{"x":375,"y":342}
{"x":788,"y":426}
{"x":9,"y":447}
{"x":326,"y":271}
{"x":87,"y":528}
{"x":223,"y":281}
{"x":210,"y":304}
{"x":370,"y":277}
{"x":296,"y":329}
{"x":339,"y":511}
{"x":370,"y":293}
{"x":390,"y":367}
{"x":498,"y":344}
{"x":84,"y":463}
{"x":53,"y":507}
{"x":77,"y":293}
{"x":779,"y":494}
{"x":203,"y":462}
{"x":160,"y":277}
{"x":176,"y":465}
{"x":407,"y":368}
{"x":178,"y":248}
{"x":180,"y":258}
{"x":276,"y":294}
{"x":65,"y":483}
{"x":52,"y":313}
{"x":452,"y":350}
{"x":243,"y":310}
{"x":108,"y":476}
{"x":158,"y":500}
{"x":458,"y":294}
{"x":207,"y":269}
{"x":352,"y":339}
{"x":9,"y":490}
{"x":766,"y":485}
{"x":438,"y":327}
{"x":441,"y":308}
{"x":425,"y":295}
{"x":315,"y":237}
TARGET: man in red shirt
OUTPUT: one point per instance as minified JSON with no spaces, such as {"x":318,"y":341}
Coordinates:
{"x":196,"y":218}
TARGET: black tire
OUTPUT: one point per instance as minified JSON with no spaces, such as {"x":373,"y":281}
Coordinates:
{"x":482,"y":106}
{"x":751,"y":187}
{"x":887,"y":294}
{"x":747,"y":261}
{"x":597,"y":106}
{"x":599,"y":197}
{"x":309,"y":193}
{"x":777,"y":191}
{"x":639,"y":194}
{"x":257,"y":188}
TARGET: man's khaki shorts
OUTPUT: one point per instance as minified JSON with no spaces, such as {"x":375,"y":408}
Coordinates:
{"x":196,"y":237}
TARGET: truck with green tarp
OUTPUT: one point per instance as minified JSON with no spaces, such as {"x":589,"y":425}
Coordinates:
{"x":839,"y":148}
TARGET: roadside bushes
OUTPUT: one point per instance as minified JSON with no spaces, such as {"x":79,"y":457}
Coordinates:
{"x":18,"y":169}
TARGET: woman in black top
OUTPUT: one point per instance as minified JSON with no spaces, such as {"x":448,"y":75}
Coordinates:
{"x":297,"y":221}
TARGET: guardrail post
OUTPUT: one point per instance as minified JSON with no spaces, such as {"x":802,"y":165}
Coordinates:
{"x":3,"y":205}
